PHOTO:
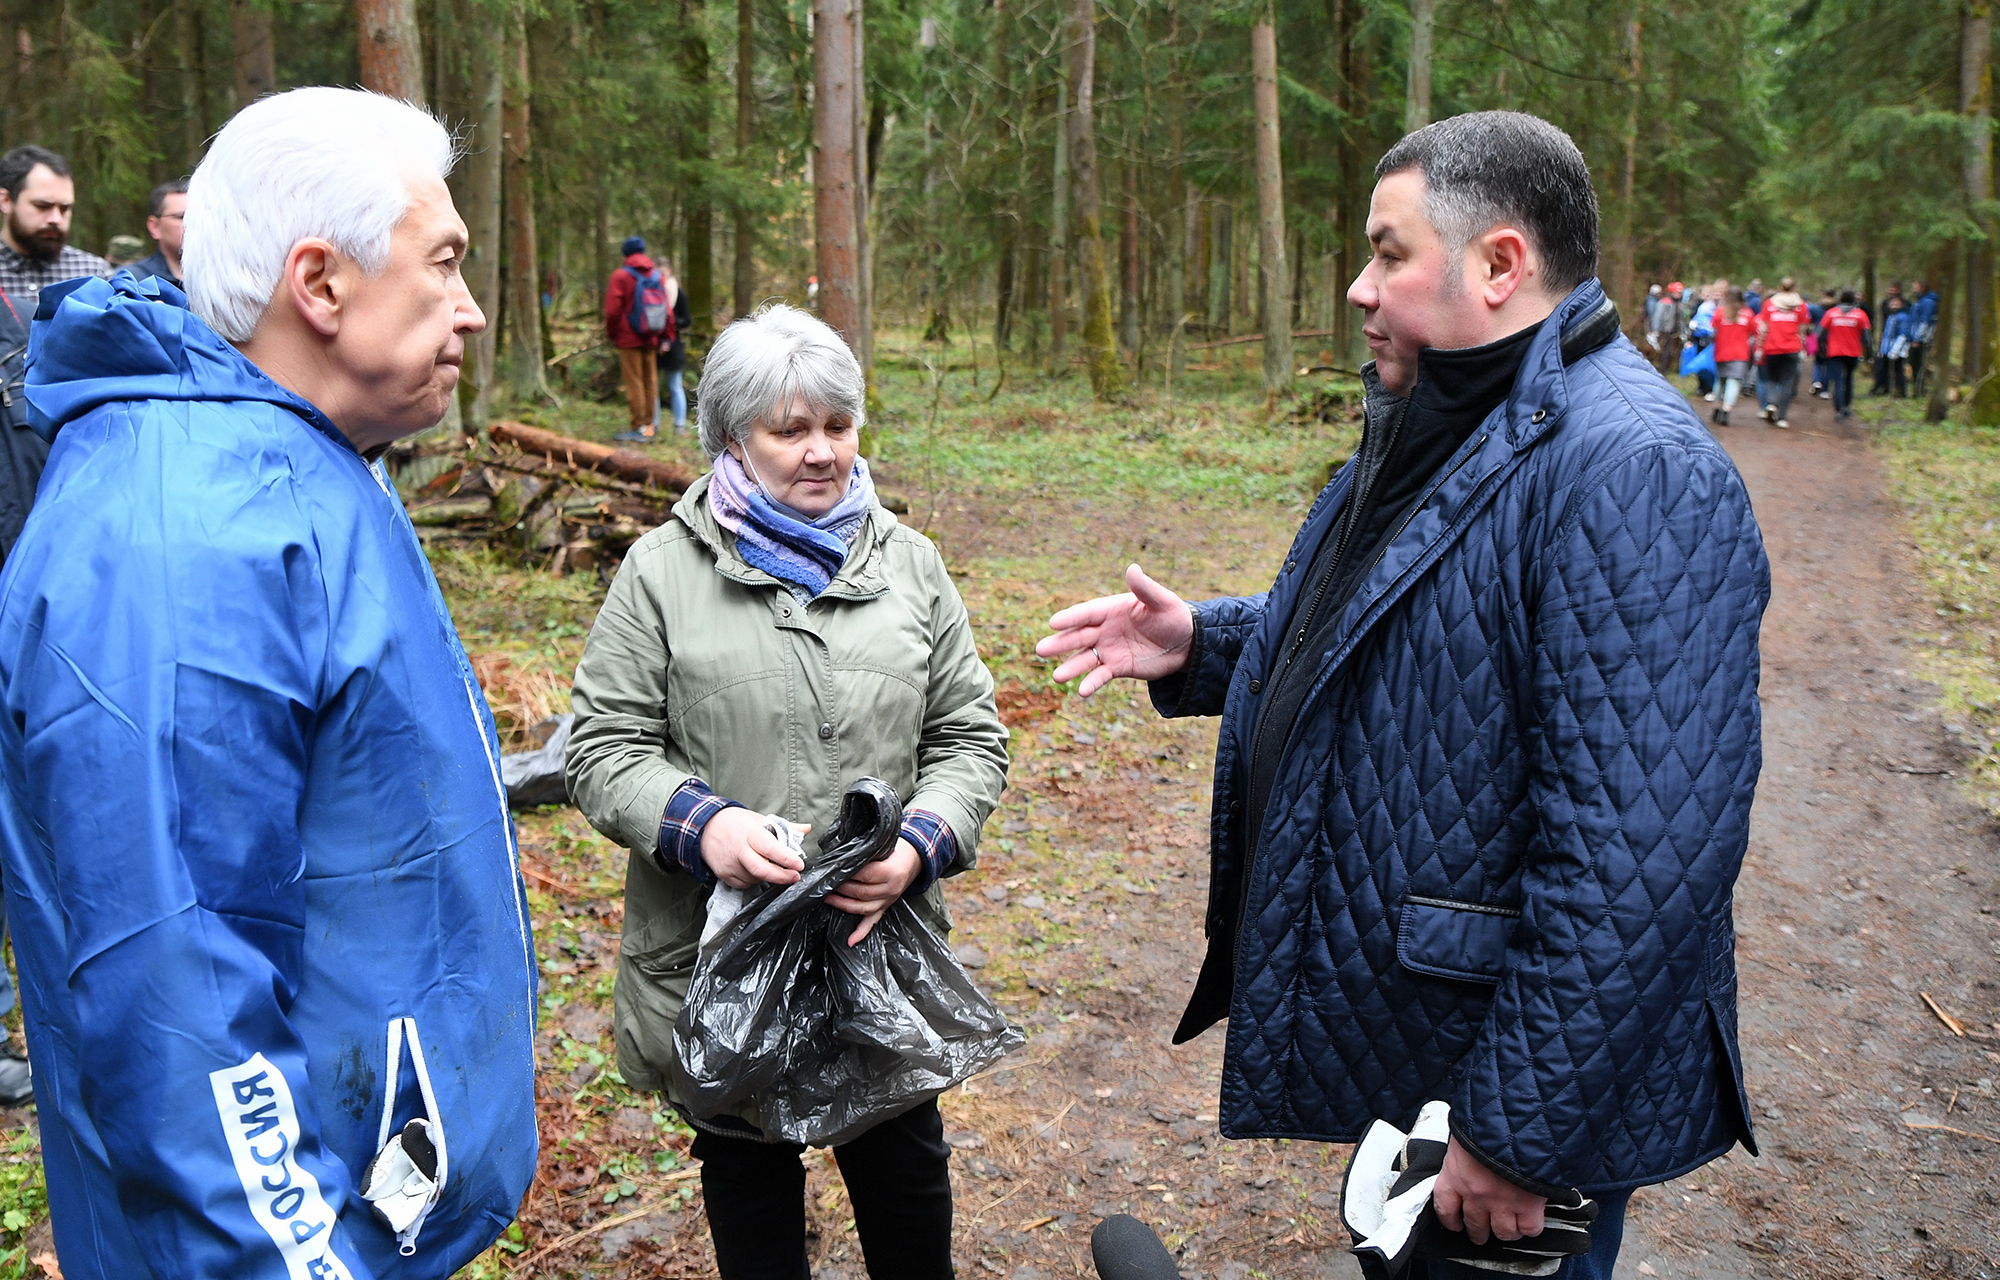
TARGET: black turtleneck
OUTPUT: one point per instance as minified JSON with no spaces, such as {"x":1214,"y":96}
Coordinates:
{"x":1404,"y":442}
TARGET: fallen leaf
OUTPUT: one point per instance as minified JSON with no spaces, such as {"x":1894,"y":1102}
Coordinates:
{"x":50,"y":1268}
{"x":1646,"y":1269}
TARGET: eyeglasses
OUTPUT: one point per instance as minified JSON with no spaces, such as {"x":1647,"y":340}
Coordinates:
{"x":177,"y":217}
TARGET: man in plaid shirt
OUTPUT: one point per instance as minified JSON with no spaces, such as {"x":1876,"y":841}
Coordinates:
{"x":37,"y":196}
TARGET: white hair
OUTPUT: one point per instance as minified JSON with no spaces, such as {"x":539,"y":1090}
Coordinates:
{"x":760,"y":362}
{"x":319,"y":162}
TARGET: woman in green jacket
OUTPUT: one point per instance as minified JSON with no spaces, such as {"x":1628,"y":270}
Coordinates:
{"x":780,"y":637}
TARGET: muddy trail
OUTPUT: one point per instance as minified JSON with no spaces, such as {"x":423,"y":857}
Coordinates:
{"x":1868,"y":906}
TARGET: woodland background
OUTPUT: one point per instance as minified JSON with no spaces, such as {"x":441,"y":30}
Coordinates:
{"x":1064,"y":178}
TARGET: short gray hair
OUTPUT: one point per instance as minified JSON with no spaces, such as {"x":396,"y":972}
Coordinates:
{"x":761,"y":361}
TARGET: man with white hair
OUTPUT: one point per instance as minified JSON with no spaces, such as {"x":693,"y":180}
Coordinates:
{"x":276,"y":968}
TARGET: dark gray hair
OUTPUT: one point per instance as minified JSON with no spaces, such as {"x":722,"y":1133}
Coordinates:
{"x":1490,"y":167}
{"x":760,"y":362}
{"x":171,"y":187}
{"x":17,"y":164}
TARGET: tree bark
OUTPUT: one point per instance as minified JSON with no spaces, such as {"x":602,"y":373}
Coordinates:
{"x":480,"y":207}
{"x":1622,"y":273}
{"x":1417,"y":105}
{"x":1270,"y":205}
{"x":697,"y":273}
{"x":745,"y":281}
{"x":524,"y":302}
{"x":1975,"y":99}
{"x":1006,"y":219}
{"x":1180,"y":222}
{"x":1107,"y":379}
{"x":1221,"y":264}
{"x":1937,"y":358}
{"x":865,"y":138}
{"x":392,"y":52}
{"x":834,"y":204}
{"x":1128,"y":252}
{"x":1059,"y":231}
{"x":254,"y":57}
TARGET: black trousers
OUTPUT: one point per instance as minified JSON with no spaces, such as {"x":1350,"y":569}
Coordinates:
{"x":898,"y":1177}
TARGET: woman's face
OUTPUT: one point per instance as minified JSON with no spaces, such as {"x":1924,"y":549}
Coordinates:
{"x":802,"y":457}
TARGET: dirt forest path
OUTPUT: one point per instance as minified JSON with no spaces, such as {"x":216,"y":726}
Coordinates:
{"x":1870,"y":884}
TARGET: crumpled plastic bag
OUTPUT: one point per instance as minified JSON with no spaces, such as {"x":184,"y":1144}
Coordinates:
{"x":536,"y":776}
{"x":830,"y":1040}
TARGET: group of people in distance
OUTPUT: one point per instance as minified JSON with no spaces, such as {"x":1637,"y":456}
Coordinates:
{"x":1725,"y":336}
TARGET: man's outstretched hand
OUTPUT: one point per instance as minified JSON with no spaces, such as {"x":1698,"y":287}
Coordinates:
{"x":1470,"y":1197}
{"x":1144,"y":633}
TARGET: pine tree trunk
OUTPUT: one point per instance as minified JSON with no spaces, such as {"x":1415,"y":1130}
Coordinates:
{"x":1975,"y":97}
{"x":745,"y":283}
{"x":524,"y":302}
{"x":1270,"y":206}
{"x":1173,"y":313}
{"x":1623,"y":277}
{"x":1059,"y":232}
{"x":1128,"y":254}
{"x":1417,"y":106}
{"x":486,"y":54}
{"x":1107,"y":379}
{"x":392,"y":54}
{"x":255,"y":56}
{"x":697,"y":273}
{"x":1937,"y":357}
{"x":864,"y":197}
{"x":1006,"y":220}
{"x":194,"y":86}
{"x":1221,"y":265}
{"x":834,"y":204}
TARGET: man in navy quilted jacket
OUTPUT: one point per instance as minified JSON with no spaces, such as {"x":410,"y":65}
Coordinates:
{"x":1489,"y":741}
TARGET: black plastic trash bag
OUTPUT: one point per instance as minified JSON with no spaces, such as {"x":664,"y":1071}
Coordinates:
{"x":831,"y":1039}
{"x":536,"y":777}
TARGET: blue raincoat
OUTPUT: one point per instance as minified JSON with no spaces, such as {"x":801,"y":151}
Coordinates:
{"x":258,"y":861}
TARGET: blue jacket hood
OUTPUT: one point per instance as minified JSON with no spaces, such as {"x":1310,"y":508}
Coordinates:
{"x":95,"y":342}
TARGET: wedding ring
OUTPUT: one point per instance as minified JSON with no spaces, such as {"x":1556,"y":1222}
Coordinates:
{"x":1095,"y":656}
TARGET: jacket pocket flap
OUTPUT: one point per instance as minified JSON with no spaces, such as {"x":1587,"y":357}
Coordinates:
{"x":1451,"y":939}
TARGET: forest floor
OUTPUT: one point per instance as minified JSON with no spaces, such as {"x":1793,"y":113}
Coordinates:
{"x":1872,"y":880}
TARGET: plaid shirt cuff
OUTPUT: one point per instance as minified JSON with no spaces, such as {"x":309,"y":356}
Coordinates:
{"x":936,"y":846}
{"x":688,"y":811}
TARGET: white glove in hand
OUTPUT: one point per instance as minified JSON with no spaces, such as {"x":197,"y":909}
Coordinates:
{"x":1386,"y":1205}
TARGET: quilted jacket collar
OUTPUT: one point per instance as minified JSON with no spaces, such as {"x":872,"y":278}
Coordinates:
{"x":1581,"y":323}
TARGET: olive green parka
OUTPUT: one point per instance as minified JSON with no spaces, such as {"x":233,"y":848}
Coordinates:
{"x":701,"y":666}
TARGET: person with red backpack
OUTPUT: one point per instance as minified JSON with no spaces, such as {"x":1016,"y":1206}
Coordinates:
{"x":638,"y":317}
{"x":1781,"y":329}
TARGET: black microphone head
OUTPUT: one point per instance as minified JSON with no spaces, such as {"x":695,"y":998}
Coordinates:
{"x":1125,"y":1248}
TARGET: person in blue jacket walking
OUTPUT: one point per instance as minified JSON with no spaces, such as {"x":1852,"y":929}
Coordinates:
{"x":277,"y":974}
{"x":1489,"y":742}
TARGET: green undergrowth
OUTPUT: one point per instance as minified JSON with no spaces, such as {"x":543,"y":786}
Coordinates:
{"x":1947,"y":477}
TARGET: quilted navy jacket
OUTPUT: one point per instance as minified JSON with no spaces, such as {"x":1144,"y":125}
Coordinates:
{"x":1496,"y":863}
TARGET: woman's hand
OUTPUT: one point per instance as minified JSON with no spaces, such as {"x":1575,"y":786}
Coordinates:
{"x":1144,"y":633}
{"x":742,"y":852}
{"x":871,"y":891}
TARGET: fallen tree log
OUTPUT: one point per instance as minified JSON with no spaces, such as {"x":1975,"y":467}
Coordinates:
{"x":584,"y":455}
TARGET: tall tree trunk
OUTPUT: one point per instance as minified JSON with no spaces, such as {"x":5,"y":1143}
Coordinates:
{"x":524,"y":301}
{"x":1006,"y":219}
{"x":1221,"y":263}
{"x":1417,"y":105}
{"x":392,"y":52}
{"x":1623,"y":277}
{"x":1975,"y":98}
{"x":744,"y":293}
{"x":1059,"y":231}
{"x":697,"y":273}
{"x":867,"y":127}
{"x":1937,"y":356}
{"x":479,"y":205}
{"x":1179,"y":221}
{"x":1270,"y":205}
{"x":1107,"y":379}
{"x":255,"y":55}
{"x":194,"y":85}
{"x":834,"y":204}
{"x":1128,"y":254}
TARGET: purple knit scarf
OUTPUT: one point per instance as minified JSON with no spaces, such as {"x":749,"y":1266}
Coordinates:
{"x":782,"y":542}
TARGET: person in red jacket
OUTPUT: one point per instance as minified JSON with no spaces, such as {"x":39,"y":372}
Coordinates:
{"x":634,"y":331}
{"x":1735,"y":324}
{"x":1844,"y":339}
{"x":1781,"y":331}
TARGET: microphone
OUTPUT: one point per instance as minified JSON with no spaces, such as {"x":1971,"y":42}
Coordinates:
{"x":1125,"y":1248}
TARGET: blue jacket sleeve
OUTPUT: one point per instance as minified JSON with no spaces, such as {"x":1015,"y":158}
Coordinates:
{"x":1221,"y":626}
{"x":1645,"y":715}
{"x":164,"y":683}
